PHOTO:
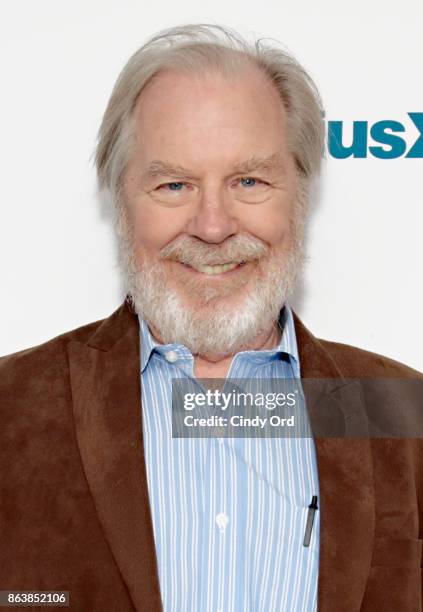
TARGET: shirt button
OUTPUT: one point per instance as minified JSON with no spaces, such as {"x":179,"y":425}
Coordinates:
{"x":171,"y":356}
{"x":222,"y":520}
{"x":219,"y":432}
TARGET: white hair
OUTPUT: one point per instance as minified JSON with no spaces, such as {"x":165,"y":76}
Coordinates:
{"x":197,"y":49}
{"x":208,"y":323}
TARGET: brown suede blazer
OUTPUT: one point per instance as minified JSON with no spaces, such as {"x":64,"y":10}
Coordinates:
{"x":74,"y":506}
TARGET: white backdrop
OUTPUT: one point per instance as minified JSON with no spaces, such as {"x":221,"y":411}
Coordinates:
{"x":59,"y":61}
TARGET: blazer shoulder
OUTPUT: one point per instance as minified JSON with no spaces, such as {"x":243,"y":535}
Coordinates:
{"x":43,"y":360}
{"x":356,"y":362}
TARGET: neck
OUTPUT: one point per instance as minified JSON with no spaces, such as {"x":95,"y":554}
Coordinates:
{"x":217,"y":366}
{"x":214,"y":365}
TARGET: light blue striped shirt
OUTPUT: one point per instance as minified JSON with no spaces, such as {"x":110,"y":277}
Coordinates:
{"x":229,"y":514}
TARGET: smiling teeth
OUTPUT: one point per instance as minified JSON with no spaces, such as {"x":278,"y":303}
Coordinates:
{"x":216,"y":269}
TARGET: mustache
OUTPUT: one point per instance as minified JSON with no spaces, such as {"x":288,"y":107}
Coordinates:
{"x":193,"y":251}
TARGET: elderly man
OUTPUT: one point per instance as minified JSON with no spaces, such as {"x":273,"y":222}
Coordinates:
{"x":207,"y":149}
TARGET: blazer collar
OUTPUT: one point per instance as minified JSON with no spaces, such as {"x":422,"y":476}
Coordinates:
{"x":105,"y":383}
{"x":345,"y":468}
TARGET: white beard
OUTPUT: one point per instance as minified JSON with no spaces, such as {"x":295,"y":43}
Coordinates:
{"x":203,"y":316}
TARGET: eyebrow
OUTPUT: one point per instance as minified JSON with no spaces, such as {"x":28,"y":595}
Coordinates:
{"x":253,"y":164}
{"x":159,"y":168}
{"x":162,"y":168}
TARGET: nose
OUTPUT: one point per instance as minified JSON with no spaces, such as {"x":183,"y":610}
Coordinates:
{"x":213,"y":220}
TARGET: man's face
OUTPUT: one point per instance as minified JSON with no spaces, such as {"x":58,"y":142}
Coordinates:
{"x":210,"y":191}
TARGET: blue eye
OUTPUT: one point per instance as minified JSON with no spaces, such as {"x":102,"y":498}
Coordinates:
{"x":175,"y":186}
{"x":248,"y":182}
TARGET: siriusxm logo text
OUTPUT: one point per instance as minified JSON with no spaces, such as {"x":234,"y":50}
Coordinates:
{"x":384,"y":135}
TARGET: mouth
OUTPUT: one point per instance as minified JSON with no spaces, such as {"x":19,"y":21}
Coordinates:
{"x":215,"y":269}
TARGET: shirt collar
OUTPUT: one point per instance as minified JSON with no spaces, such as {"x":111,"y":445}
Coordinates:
{"x":148,"y":343}
{"x":287,"y":345}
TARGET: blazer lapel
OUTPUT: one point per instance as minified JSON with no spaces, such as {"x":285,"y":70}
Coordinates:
{"x":105,"y":382}
{"x":345,"y":470}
